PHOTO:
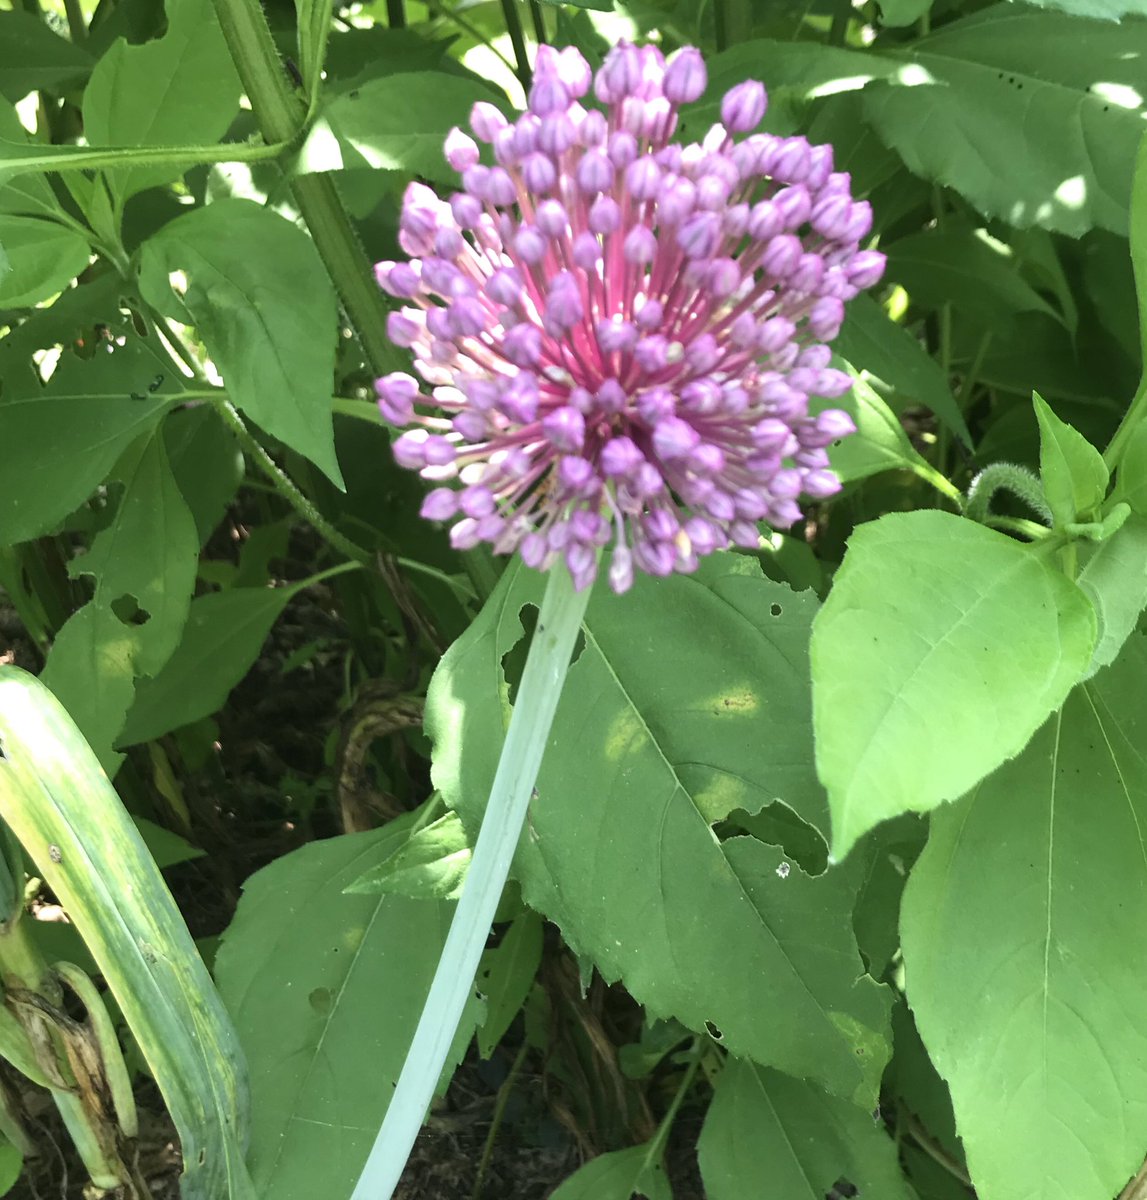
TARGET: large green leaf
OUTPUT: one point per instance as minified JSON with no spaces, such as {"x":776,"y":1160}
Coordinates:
{"x":71,"y":432}
{"x":32,"y":56}
{"x":181,"y":89}
{"x":1024,"y":951}
{"x":1114,"y":579}
{"x":394,"y":123}
{"x":60,"y":805}
{"x":42,"y":259}
{"x":326,"y":989}
{"x":264,"y":306}
{"x":873,"y":342}
{"x":942,"y":647}
{"x":774,"y":1138}
{"x":1033,"y":116}
{"x":688,"y":701}
{"x":225,"y":632}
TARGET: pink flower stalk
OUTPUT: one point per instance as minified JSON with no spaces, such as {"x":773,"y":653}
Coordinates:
{"x":621,"y":333}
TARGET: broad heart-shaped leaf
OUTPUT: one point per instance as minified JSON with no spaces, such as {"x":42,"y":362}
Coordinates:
{"x":774,"y":1138}
{"x":1034,"y":117}
{"x":979,"y":277}
{"x":149,"y":553}
{"x":1024,"y":951}
{"x":181,"y":89}
{"x":619,"y":1175}
{"x":224,"y":633}
{"x":67,"y":816}
{"x":264,"y":306}
{"x":873,"y":342}
{"x":326,"y":989}
{"x":1073,"y":472}
{"x":71,"y":432}
{"x":32,"y":56}
{"x":395,"y":123}
{"x":688,"y":700}
{"x":1114,"y":579}
{"x":942,"y":647}
{"x":42,"y":256}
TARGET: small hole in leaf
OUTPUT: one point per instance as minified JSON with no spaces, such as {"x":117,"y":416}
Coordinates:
{"x":775,"y":609}
{"x":129,"y":612}
{"x":713,"y":1031}
{"x":202,"y":1157}
{"x":843,"y":1189}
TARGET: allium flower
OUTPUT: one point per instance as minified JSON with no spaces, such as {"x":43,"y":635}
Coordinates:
{"x":621,"y":334}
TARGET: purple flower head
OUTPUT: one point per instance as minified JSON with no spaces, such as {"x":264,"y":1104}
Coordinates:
{"x":619,"y":334}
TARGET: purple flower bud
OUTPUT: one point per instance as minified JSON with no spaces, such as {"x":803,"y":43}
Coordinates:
{"x":622,"y":149}
{"x":604,"y":215}
{"x":397,"y":279}
{"x":712,"y":193}
{"x":865,"y":268}
{"x":699,"y":235}
{"x":610,"y":397}
{"x":685,"y":76}
{"x":522,"y":345}
{"x":792,"y":161}
{"x":781,"y":256}
{"x":703,"y":353}
{"x":565,"y":427}
{"x":477,"y":501}
{"x":825,"y":318}
{"x":830,"y":215}
{"x":440,"y":504}
{"x":551,"y":219}
{"x":621,"y":570}
{"x":505,"y":286}
{"x":397,"y":393}
{"x":650,"y":315}
{"x":564,"y":308}
{"x":821,"y":484}
{"x":574,"y":71}
{"x":743,"y":107}
{"x":674,"y":438}
{"x":461,"y":149}
{"x":723,"y":277}
{"x":616,"y":336}
{"x":586,"y":251}
{"x":765,"y":221}
{"x":656,"y":404}
{"x":539,"y":173}
{"x":859,"y":223}
{"x":530,"y":244}
{"x":643,"y":178}
{"x":556,"y":134}
{"x":620,"y":456}
{"x":548,"y":95}
{"x":576,"y":477}
{"x":675,"y":201}
{"x":486,"y":120}
{"x":593,"y":129}
{"x":640,"y":245}
{"x":619,"y":75}
{"x":500,"y":189}
{"x":403,"y":329}
{"x":467,"y":317}
{"x":594,"y":173}
{"x":794,"y":205}
{"x":652,"y":353}
{"x":466,"y":209}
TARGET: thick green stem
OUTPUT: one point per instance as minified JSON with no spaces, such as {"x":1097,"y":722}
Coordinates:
{"x":281,"y":116}
{"x":1131,"y":421}
{"x":286,"y":487}
{"x":513,"y":21}
{"x":1010,"y":478}
{"x":396,"y":14}
{"x":539,"y":22}
{"x":538,"y":695}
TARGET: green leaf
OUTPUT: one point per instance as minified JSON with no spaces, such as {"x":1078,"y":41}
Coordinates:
{"x":207,"y":464}
{"x":32,"y":56}
{"x":1102,"y":10}
{"x":11,"y":1166}
{"x":895,"y":14}
{"x":594,"y":5}
{"x":942,"y":647}
{"x":91,"y":669}
{"x":31,"y":193}
{"x":326,"y":989}
{"x":394,"y":123}
{"x":1038,"y":1028}
{"x":506,"y":976}
{"x":167,"y":848}
{"x":72,"y":431}
{"x":148,"y":553}
{"x":872,"y":341}
{"x":618,"y":1175}
{"x":776,"y":1138}
{"x":1131,"y":473}
{"x":64,"y":811}
{"x":225,"y":632}
{"x":181,"y":89}
{"x":430,"y":866}
{"x":264,"y":306}
{"x":963,"y":267}
{"x":1032,"y":116}
{"x":1114,"y":579}
{"x":1073,"y":472}
{"x":42,"y":257}
{"x":688,"y":701}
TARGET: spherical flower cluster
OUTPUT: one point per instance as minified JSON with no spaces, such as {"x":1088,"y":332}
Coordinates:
{"x":620,"y":333}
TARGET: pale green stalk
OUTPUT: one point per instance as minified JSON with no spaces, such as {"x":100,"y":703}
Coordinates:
{"x":538,"y":695}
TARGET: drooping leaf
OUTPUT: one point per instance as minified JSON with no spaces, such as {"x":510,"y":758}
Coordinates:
{"x":32,"y":56}
{"x":42,"y":258}
{"x":1023,"y":955}
{"x":72,"y":431}
{"x":1032,"y":116}
{"x":1114,"y":579}
{"x":181,"y":89}
{"x":775,"y":1138}
{"x":942,"y":647}
{"x":506,"y":976}
{"x":619,"y":1175}
{"x":325,"y":989}
{"x":394,"y":123}
{"x":62,"y":808}
{"x":207,"y":464}
{"x":224,"y":633}
{"x":263,"y":304}
{"x":149,"y":553}
{"x":873,"y":342}
{"x":688,"y":701}
{"x":1073,"y":472}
